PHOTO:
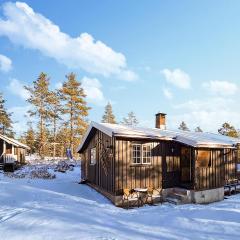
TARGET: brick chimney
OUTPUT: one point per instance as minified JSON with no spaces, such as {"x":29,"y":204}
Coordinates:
{"x":161,"y":120}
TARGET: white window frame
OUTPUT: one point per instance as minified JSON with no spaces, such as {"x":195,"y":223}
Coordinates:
{"x":93,"y":155}
{"x":134,"y":157}
{"x":147,"y":145}
{"x":149,"y":157}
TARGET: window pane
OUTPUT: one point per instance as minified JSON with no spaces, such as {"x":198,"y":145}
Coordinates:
{"x":146,"y":154}
{"x":136,"y":153}
{"x":203,"y":159}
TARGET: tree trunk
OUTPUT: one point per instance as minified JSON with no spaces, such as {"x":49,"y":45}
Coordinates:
{"x":41,"y":138}
{"x":71,"y":129}
{"x":54,"y":137}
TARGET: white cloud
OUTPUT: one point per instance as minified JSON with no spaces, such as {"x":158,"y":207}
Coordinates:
{"x":224,"y":88}
{"x":5,"y":63}
{"x":32,"y":30}
{"x":17,"y":88}
{"x":208,"y":113}
{"x":92,"y":88}
{"x":178,"y":78}
{"x":167,"y":93}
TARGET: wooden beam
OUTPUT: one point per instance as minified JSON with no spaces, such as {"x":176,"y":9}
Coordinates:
{"x":4,"y":147}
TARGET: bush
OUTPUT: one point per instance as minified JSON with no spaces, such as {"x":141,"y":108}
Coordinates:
{"x":63,"y":167}
{"x":42,"y":173}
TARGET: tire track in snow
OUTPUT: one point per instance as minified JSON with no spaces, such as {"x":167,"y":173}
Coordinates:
{"x":7,"y":214}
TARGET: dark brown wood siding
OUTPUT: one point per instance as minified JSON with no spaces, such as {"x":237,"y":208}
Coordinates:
{"x":220,"y":168}
{"x":168,"y":167}
{"x":238,"y":161}
{"x":165,"y":155}
{"x":1,"y":150}
{"x":100,"y":174}
{"x":230,"y":160}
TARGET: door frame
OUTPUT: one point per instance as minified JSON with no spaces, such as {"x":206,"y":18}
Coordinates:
{"x":187,"y":167}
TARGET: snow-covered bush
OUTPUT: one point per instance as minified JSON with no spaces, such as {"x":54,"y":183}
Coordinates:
{"x":63,"y":166}
{"x":15,"y":174}
{"x":41,"y":173}
{"x":43,"y":170}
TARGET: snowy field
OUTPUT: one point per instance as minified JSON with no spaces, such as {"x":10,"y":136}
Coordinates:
{"x":60,"y":208}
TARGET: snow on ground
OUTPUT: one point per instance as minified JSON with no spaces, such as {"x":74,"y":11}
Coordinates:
{"x":61,"y":208}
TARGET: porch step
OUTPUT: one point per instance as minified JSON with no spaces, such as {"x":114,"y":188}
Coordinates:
{"x":180,"y":191}
{"x":1,"y":166}
{"x":179,"y":196}
{"x":173,"y":200}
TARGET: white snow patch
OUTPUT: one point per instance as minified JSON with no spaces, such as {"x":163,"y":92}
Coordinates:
{"x":63,"y":209}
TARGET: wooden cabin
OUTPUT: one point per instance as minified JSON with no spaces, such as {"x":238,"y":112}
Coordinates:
{"x":12,"y":152}
{"x":115,"y":157}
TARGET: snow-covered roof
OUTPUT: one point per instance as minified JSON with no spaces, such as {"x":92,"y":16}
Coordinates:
{"x":13,"y":141}
{"x":194,"y":139}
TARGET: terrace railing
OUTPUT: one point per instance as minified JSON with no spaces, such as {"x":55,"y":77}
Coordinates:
{"x":9,"y":158}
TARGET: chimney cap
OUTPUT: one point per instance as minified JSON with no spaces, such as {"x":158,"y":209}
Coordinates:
{"x":160,"y":113}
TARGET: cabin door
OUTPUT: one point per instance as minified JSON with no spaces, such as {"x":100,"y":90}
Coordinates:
{"x":171,"y":169}
{"x":185,"y":166}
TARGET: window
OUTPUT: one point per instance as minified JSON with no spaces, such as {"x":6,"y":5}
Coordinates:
{"x":93,"y":156}
{"x":136,"y":153}
{"x":141,"y":153}
{"x":203,"y":159}
{"x":146,"y":154}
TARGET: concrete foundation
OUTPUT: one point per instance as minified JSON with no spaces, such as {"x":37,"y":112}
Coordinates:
{"x":208,"y":196}
{"x":183,"y":195}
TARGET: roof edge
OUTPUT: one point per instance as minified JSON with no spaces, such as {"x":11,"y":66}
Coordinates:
{"x":14,"y":142}
{"x":91,"y":126}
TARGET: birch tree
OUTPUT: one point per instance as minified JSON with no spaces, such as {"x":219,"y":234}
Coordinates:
{"x":183,"y":126}
{"x":130,"y":120}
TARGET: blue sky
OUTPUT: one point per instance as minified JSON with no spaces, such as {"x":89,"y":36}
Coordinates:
{"x":178,"y":57}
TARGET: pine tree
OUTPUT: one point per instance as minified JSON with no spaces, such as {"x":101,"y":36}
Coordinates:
{"x":198,"y":129}
{"x":183,"y":126}
{"x":29,"y":138}
{"x":130,"y":120}
{"x":75,"y":108}
{"x":5,"y":119}
{"x":108,"y":116}
{"x":55,"y":111}
{"x":63,"y":141}
{"x":228,"y":130}
{"x":39,"y":98}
